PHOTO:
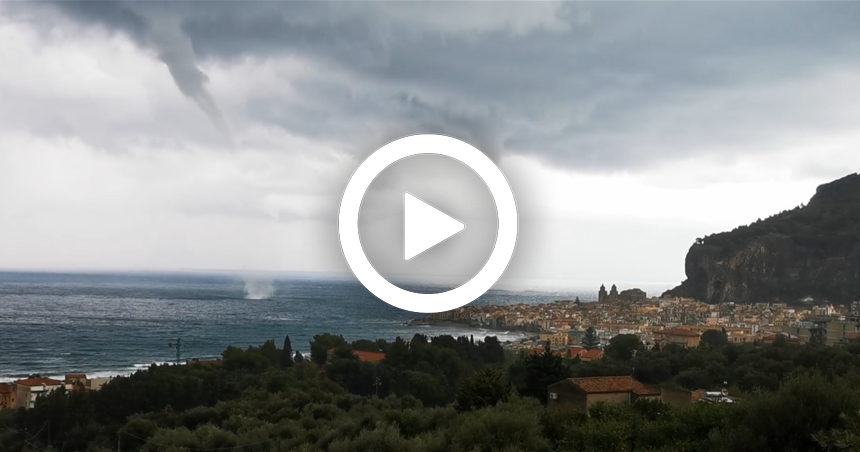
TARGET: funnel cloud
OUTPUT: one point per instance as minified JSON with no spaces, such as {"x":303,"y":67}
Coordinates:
{"x":175,"y":50}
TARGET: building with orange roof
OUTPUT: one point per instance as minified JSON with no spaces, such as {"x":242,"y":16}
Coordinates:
{"x":591,"y":355}
{"x":678,"y":336}
{"x":850,"y":338}
{"x":367,"y":357}
{"x":574,"y":351}
{"x":76,"y":379}
{"x":770,"y":338}
{"x":8,"y":396}
{"x":582,"y":393}
{"x":28,"y":390}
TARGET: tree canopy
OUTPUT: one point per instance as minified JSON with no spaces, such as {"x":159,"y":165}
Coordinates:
{"x":451,"y":394}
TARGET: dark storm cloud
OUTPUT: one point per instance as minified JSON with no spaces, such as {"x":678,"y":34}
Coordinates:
{"x":596,"y":86}
{"x":159,"y":32}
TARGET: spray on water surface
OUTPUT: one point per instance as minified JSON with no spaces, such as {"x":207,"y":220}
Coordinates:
{"x":256,"y":289}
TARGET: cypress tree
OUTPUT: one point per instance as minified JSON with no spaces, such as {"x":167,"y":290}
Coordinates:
{"x":287,"y":353}
{"x":590,"y":341}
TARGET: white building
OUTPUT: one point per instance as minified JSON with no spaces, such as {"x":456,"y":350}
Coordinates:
{"x":30,"y":389}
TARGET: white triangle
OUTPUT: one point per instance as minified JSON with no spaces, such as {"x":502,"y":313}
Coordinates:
{"x":425,"y":226}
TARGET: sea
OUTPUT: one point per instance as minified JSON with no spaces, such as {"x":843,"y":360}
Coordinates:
{"x":115,"y":324}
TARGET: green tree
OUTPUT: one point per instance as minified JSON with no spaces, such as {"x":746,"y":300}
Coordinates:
{"x":299,"y":358}
{"x":623,"y":347}
{"x":492,"y":351}
{"x":422,"y":386}
{"x":590,"y":341}
{"x":714,"y":338}
{"x":846,"y":438}
{"x":321,"y":344}
{"x":487,"y":387}
{"x":542,"y":370}
{"x":270,"y":351}
{"x":287,"y":353}
{"x":789,"y":418}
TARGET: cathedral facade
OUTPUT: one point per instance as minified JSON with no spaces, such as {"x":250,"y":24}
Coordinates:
{"x":629,"y":295}
{"x":603,"y":297}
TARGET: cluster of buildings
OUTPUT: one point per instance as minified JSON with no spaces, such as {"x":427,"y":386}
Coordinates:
{"x":661,"y":321}
{"x":23,"y":393}
{"x":582,"y":393}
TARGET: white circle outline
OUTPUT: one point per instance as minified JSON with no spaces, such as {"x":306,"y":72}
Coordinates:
{"x":407,"y":147}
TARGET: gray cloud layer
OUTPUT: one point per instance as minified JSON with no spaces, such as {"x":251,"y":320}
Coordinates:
{"x":593,"y":86}
{"x":114,"y":117}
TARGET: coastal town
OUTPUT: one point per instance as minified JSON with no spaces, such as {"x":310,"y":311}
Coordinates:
{"x":578,"y":329}
{"x":658,"y":321}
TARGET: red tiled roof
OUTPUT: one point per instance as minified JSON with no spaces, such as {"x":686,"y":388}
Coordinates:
{"x":598,"y":385}
{"x":678,"y":332}
{"x":789,"y":338}
{"x":369,"y":357}
{"x":39,"y":382}
{"x":575,"y":351}
{"x":592,"y":354}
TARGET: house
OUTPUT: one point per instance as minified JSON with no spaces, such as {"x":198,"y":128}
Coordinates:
{"x":678,"y":336}
{"x":28,"y":390}
{"x":554,"y":339}
{"x":574,"y":351}
{"x":591,"y":355}
{"x":76,"y":379}
{"x":575,"y":336}
{"x":96,"y":383}
{"x":80,"y":382}
{"x":771,"y":338}
{"x":7,"y":396}
{"x":684,"y":397}
{"x":367,"y":357}
{"x":561,"y":353}
{"x":582,"y":393}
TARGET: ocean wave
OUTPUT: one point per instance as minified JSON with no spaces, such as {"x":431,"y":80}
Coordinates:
{"x":122,"y":372}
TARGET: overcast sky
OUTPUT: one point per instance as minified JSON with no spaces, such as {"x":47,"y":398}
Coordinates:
{"x":220,"y":135}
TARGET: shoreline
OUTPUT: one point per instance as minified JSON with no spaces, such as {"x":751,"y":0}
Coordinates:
{"x":93,"y":374}
{"x":454,"y":323}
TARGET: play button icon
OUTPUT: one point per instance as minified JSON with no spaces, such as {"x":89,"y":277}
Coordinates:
{"x":425,"y":226}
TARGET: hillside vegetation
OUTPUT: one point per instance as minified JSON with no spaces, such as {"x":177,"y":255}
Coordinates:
{"x":445,"y":395}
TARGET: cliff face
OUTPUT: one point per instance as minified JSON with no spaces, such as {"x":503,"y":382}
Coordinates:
{"x":812,"y":250}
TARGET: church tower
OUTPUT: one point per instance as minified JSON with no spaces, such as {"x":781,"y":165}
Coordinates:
{"x":613,"y":293}
{"x":601,"y":296}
